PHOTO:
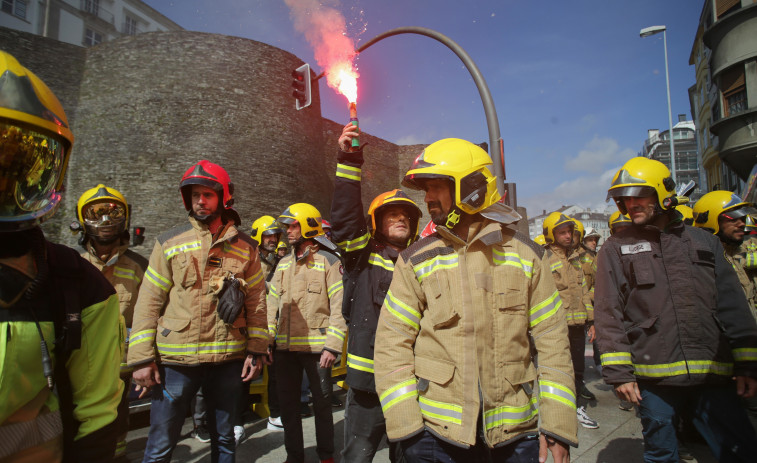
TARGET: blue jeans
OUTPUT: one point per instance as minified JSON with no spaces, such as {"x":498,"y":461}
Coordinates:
{"x":427,"y":448}
{"x":221,"y":384}
{"x":717,"y":414}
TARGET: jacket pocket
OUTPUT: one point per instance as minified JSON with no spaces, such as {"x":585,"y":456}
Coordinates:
{"x":643,"y":328}
{"x":440,"y":305}
{"x":168,"y":325}
{"x":641,"y":272}
{"x":186,"y":270}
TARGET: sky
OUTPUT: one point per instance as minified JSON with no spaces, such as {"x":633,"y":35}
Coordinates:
{"x":575,"y":87}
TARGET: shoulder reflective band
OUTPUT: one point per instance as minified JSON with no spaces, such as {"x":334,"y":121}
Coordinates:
{"x":229,"y":347}
{"x":378,"y":261}
{"x":398,"y":393}
{"x":255,"y":279}
{"x":544,"y":309}
{"x":312,"y":341}
{"x":440,"y":410}
{"x":355,"y":244}
{"x":359,"y":363}
{"x":615,"y":358}
{"x":558,"y":392}
{"x":235,"y":250}
{"x":184,"y":247}
{"x":744,"y":354}
{"x":556,"y":266}
{"x":125,"y":273}
{"x":512,"y":259}
{"x":432,"y":265}
{"x":318,"y":266}
{"x":336,"y":332}
{"x":335,"y":288}
{"x":157,"y":279}
{"x":510,"y":415}
{"x":402,"y":311}
{"x":349,"y":172}
{"x":141,"y":336}
{"x":260,"y":333}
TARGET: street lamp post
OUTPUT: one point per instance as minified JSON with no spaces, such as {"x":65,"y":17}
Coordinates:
{"x":646,"y":32}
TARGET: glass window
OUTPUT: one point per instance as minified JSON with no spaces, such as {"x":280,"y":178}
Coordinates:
{"x":92,"y":38}
{"x":130,"y":26}
{"x":14,"y":7}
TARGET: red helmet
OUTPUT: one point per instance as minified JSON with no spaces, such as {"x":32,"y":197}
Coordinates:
{"x":207,"y":174}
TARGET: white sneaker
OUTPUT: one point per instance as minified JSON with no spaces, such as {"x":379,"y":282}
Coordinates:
{"x":274,"y":424}
{"x":239,"y":434}
{"x":585,"y":419}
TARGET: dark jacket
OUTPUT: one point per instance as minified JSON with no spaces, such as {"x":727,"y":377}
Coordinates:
{"x":368,"y":265}
{"x":669,"y":309}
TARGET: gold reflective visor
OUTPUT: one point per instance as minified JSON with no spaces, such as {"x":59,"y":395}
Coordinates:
{"x":99,"y":212}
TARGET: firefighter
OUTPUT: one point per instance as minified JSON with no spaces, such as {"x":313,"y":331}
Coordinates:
{"x":201,"y":309}
{"x":591,"y":240}
{"x":565,"y":264}
{"x":453,"y":363}
{"x":61,"y":331}
{"x":267,"y":233}
{"x":370,"y":252}
{"x":673,"y":324}
{"x":617,"y":221}
{"x":305,"y":308}
{"x":104,"y":217}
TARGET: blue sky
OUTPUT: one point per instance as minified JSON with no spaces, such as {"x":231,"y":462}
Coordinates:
{"x":574,"y":85}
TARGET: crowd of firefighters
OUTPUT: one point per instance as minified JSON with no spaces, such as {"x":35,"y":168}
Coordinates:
{"x":463,"y":345}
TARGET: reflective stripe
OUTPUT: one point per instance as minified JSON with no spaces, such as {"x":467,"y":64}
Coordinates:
{"x":437,"y":263}
{"x":317,"y":266}
{"x":22,"y":435}
{"x":359,"y":363}
{"x":544,"y":309}
{"x":272,"y":291}
{"x":402,"y":311}
{"x":284,"y":265}
{"x":586,"y":259}
{"x":157,"y":279}
{"x":184,"y":247}
{"x":335,"y":288}
{"x":237,"y":251}
{"x":125,"y":273}
{"x":512,"y":259}
{"x":256,"y":278}
{"x":260,"y":333}
{"x":345,"y":171}
{"x":558,"y":392}
{"x":354,"y":244}
{"x":615,"y":358}
{"x":395,"y":394}
{"x":307,"y":340}
{"x":744,"y":354}
{"x":441,"y":411}
{"x":281,"y":338}
{"x":141,"y":336}
{"x":556,"y":266}
{"x":272,"y":331}
{"x":510,"y":415}
{"x":228,"y":347}
{"x":683,"y":367}
{"x":576,"y":315}
{"x":336,"y":332}
{"x":377,"y":260}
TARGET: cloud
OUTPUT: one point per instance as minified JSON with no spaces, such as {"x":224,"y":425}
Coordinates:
{"x":585,"y":191}
{"x":597,"y":155}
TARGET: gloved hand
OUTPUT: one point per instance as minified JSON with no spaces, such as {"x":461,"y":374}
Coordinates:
{"x":230,"y":301}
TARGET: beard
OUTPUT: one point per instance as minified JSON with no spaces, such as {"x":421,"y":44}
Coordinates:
{"x":438,"y":216}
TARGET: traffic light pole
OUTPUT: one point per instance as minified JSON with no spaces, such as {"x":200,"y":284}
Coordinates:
{"x":495,"y":139}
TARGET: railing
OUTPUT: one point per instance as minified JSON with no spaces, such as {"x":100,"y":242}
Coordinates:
{"x":93,"y":7}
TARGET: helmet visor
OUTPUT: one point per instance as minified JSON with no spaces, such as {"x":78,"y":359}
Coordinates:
{"x":739,"y":213}
{"x":31,"y":164}
{"x":102,"y":212}
{"x":634,"y":191}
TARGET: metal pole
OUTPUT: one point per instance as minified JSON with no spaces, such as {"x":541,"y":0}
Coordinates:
{"x":496,"y":146}
{"x":670,"y":113}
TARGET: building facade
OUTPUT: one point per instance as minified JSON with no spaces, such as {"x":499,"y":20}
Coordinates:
{"x":83,"y":22}
{"x":588,"y":217}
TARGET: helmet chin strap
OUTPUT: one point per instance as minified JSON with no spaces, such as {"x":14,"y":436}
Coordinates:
{"x":453,"y":217}
{"x":206,"y":219}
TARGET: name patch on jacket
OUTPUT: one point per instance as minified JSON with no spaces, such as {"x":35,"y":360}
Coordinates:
{"x":644,"y":246}
{"x":214,"y":261}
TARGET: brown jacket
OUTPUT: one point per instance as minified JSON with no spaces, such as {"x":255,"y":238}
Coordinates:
{"x":736,"y":255}
{"x":176,"y":309}
{"x":571,"y":282}
{"x":305,"y":304}
{"x":454,"y":340}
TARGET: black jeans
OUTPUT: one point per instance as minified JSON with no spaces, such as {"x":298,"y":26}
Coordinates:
{"x":289,"y":368}
{"x":365,"y":428}
{"x":577,"y":338}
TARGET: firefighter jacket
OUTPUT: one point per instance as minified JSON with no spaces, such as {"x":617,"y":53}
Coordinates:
{"x":587,"y":257}
{"x":124,"y":270}
{"x":368,"y":265}
{"x":670,"y":309}
{"x":305,"y":302}
{"x":454,"y":341}
{"x":176,"y":309}
{"x":568,"y":273}
{"x":31,"y":421}
{"x":736,"y":256}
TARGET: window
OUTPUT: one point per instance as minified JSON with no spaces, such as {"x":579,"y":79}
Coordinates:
{"x":733,"y":86}
{"x":723,"y":7}
{"x":92,"y":38}
{"x":130,"y":26}
{"x":15,"y":7}
{"x":91,"y":6}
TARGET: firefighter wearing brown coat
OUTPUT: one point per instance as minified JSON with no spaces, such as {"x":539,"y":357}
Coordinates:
{"x":466,"y":305}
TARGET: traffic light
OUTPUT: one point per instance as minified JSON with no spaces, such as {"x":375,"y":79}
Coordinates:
{"x":301,"y":85}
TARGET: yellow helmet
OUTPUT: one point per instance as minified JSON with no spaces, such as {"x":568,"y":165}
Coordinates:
{"x":554,"y":220}
{"x":103,"y":213}
{"x":540,"y":240}
{"x":618,"y":220}
{"x":579,"y":228}
{"x":35,"y":144}
{"x":687,"y":213}
{"x":282,"y":245}
{"x":642,"y":177}
{"x":713,"y":204}
{"x":265,"y":225}
{"x":394,"y":198}
{"x":311,"y":223}
{"x":466,"y":166}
